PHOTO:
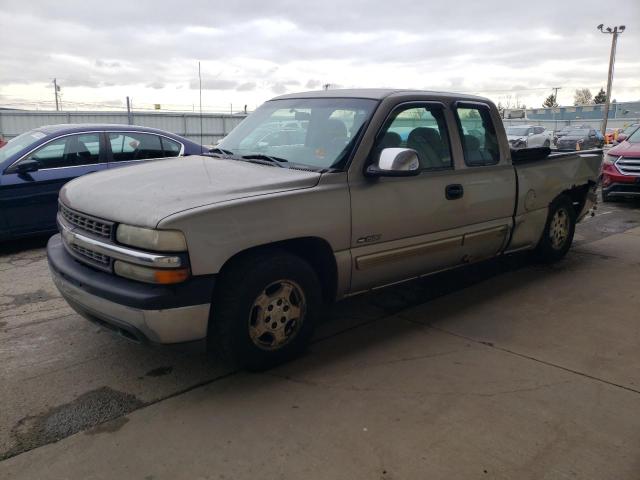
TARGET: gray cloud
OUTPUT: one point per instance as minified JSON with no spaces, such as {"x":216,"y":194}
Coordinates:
{"x":245,"y":87}
{"x":157,"y":85}
{"x":214,"y":84}
{"x":267,"y":44}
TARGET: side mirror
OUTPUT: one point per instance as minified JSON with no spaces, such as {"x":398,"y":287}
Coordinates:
{"x":27,"y":166}
{"x":621,"y":137}
{"x":395,"y":162}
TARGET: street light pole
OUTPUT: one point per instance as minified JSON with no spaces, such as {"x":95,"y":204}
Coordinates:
{"x":615,"y":31}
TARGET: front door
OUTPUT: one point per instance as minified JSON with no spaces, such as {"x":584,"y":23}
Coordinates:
{"x":30,"y":200}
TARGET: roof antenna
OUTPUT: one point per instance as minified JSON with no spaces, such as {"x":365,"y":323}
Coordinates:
{"x":200,"y":85}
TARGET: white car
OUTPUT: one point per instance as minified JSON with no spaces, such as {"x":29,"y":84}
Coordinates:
{"x":528,"y":136}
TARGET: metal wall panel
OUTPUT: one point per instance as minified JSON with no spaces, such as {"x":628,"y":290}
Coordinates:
{"x":214,"y":125}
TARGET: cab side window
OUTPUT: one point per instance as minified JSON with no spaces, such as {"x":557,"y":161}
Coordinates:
{"x":538,"y":130}
{"x":69,"y":151}
{"x":422,"y":128}
{"x":478,"y":135}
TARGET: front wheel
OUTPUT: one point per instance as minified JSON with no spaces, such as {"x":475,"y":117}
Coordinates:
{"x":547,"y":144}
{"x":264,"y":310}
{"x":558,"y":232}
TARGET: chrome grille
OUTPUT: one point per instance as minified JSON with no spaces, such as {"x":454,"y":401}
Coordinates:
{"x":86,"y":223}
{"x":628,"y":166}
{"x":95,"y":257}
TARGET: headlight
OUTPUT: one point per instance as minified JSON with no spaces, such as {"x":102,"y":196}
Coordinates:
{"x":155,"y":240}
{"x":609,"y":159}
{"x":150,"y":275}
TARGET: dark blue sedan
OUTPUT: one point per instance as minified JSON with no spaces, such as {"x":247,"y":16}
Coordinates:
{"x":36,"y":164}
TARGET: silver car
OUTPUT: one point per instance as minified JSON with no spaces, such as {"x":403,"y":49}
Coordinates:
{"x":528,"y":136}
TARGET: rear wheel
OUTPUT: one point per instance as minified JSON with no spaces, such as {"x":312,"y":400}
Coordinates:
{"x":559,"y":230}
{"x":264,"y":310}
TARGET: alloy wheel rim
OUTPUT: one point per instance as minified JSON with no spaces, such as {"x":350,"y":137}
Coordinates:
{"x":276,"y":315}
{"x":559,"y":229}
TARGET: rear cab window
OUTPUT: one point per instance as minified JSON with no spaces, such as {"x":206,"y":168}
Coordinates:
{"x":477,"y":134}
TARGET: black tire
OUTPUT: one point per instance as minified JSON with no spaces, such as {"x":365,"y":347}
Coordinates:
{"x":235,"y":314}
{"x":553,"y":245}
{"x":606,"y":198}
{"x":547,"y":144}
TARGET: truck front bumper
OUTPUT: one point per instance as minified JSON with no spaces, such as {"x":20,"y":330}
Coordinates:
{"x":140,"y":312}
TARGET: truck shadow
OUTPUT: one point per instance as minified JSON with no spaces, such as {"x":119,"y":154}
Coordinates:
{"x":9,"y":247}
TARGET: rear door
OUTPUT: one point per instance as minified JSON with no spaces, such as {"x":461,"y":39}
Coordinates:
{"x":489,"y":182}
{"x":30,"y":200}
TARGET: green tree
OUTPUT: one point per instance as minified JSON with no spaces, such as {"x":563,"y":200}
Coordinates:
{"x":550,"y":101}
{"x":601,"y":97}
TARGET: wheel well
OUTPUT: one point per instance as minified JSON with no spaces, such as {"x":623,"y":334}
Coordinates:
{"x":316,"y":251}
{"x":578,"y":195}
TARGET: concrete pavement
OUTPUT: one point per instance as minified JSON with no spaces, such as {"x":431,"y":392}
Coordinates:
{"x":528,"y":374}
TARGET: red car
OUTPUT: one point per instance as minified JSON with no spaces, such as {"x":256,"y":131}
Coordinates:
{"x":621,"y":169}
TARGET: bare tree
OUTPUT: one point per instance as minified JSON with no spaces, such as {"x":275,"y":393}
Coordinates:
{"x":583,"y":96}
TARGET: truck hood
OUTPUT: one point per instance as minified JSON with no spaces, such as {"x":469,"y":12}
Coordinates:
{"x":143,"y":195}
{"x":626,"y":149}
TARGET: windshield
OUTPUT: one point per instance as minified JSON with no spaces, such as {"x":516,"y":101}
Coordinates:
{"x":630,"y":129}
{"x":517,"y":131}
{"x":19,"y":143}
{"x":315,"y":132}
{"x":635,"y":136}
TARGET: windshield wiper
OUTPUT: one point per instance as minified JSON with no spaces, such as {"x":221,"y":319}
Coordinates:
{"x":222,"y":151}
{"x":280,"y":162}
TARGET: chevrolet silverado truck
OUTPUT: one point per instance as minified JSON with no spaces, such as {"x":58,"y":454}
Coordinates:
{"x":237,"y":251}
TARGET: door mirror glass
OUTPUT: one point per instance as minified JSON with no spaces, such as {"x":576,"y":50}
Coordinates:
{"x":395,"y":162}
{"x":621,"y":137}
{"x":29,"y":165}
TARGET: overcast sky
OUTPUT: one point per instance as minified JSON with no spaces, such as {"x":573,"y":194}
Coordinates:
{"x":253,"y":50}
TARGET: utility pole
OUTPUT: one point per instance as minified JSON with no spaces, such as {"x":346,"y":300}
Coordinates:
{"x":615,"y":31}
{"x":553,"y":108}
{"x":56,"y":89}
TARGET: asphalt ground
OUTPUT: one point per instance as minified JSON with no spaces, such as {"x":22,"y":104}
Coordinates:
{"x":62,"y":375}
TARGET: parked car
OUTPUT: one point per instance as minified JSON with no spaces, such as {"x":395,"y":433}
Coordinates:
{"x":565,"y":130}
{"x":242,"y":249}
{"x":580,"y":139}
{"x":627,"y":132}
{"x":621,"y":170}
{"x":35,"y":165}
{"x":527,"y":136}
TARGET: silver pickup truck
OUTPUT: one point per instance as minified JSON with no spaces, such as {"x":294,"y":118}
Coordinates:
{"x":312,"y":198}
